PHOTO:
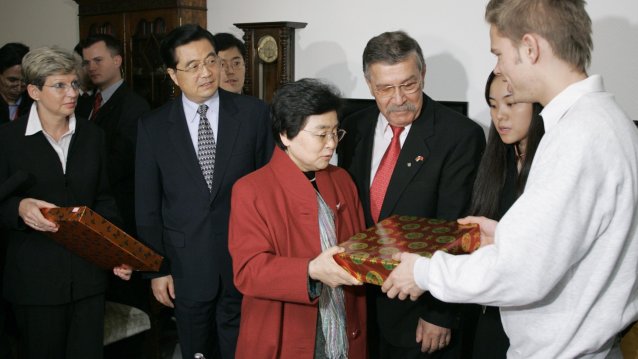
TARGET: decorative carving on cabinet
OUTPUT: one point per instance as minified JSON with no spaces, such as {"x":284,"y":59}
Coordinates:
{"x":141,"y":25}
{"x":271,"y":56}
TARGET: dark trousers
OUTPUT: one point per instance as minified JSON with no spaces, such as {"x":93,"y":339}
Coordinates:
{"x":73,"y":331}
{"x":210,"y":328}
{"x":5,"y":350}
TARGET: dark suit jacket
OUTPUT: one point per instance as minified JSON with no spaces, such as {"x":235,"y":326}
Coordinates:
{"x":176,"y":215}
{"x":438,"y":186}
{"x":38,"y":270}
{"x":118,"y":118}
{"x":23,"y":108}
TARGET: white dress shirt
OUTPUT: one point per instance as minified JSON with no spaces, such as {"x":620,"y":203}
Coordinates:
{"x":382,"y":138}
{"x":61,"y":147}
{"x":192,"y":117}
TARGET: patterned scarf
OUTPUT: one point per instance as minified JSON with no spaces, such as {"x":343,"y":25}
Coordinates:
{"x":332,"y":306}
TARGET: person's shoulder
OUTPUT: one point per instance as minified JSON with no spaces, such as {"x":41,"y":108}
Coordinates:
{"x":448,"y":118}
{"x":254,"y":181}
{"x":160,"y":114}
{"x":242,"y":101}
{"x":132,"y":98}
{"x":11,"y":129}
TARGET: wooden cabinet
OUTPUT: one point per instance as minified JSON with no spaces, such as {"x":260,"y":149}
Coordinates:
{"x":141,"y":25}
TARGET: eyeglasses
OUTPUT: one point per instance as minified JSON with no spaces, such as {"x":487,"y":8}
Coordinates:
{"x":196,"y":66}
{"x":407,"y":88}
{"x":324,"y":136}
{"x":235,"y":64}
{"x":62,"y":87}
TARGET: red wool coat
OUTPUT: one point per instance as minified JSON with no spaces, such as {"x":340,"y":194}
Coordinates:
{"x":274,"y":233}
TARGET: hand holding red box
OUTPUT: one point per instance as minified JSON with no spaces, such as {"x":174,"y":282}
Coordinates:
{"x":368,"y":255}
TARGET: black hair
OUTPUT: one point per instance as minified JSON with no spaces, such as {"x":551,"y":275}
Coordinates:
{"x":113,"y":44}
{"x":11,"y":54}
{"x":181,"y":36}
{"x":225,"y":41}
{"x":295,"y":101}
{"x":492,"y":172}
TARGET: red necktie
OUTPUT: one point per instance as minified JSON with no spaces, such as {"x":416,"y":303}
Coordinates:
{"x":384,"y":173}
{"x":97,"y":103}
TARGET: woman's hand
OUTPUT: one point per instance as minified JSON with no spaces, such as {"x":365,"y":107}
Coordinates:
{"x":324,"y":269}
{"x":123,"y":271}
{"x":488,"y":228}
{"x":29,"y":211}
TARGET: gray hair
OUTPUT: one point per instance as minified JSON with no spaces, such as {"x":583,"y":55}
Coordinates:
{"x":43,"y":62}
{"x":391,"y":48}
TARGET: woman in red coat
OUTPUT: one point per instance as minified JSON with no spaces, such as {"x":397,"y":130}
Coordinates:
{"x":286,"y":221}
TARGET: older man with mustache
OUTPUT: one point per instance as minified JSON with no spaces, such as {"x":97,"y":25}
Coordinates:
{"x":409,"y":155}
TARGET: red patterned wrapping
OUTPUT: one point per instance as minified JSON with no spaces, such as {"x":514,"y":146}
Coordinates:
{"x":368,"y":255}
{"x":97,"y":240}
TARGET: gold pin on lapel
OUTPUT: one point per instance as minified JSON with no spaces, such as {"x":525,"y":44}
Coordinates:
{"x":419,"y":158}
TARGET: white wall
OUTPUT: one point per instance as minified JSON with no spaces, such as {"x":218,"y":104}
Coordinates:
{"x":39,"y":22}
{"x":452,"y":33}
{"x":453,"y":36}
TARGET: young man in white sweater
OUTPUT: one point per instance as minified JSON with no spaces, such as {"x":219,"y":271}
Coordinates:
{"x":562,"y":263}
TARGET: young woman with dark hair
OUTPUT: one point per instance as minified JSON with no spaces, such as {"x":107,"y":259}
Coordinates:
{"x":514,"y":136}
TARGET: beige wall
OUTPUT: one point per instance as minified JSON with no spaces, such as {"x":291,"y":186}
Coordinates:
{"x":39,"y":22}
{"x":452,"y":33}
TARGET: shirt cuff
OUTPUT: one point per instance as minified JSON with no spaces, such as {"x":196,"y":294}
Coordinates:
{"x":421,"y":271}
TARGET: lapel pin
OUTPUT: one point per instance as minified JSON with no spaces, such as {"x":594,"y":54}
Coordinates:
{"x":419,"y":158}
{"x":409,"y":164}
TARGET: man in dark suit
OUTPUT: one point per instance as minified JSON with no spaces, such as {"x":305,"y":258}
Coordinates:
{"x":14,"y":101}
{"x":189,"y":154}
{"x":117,"y":114}
{"x":409,"y":155}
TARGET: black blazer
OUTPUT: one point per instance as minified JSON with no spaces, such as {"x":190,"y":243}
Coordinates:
{"x":118,"y":118}
{"x":433,"y":178}
{"x":175,"y":213}
{"x":38,"y":270}
{"x":23,"y":108}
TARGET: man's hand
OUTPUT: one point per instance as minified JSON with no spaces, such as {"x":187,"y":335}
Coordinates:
{"x":29,"y":211}
{"x":163,"y":290}
{"x":401,"y":280}
{"x":432,"y":337}
{"x":488,"y":227}
{"x":123,"y":271}
{"x":324,"y":269}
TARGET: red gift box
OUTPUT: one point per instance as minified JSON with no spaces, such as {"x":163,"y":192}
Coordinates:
{"x":368,"y":255}
{"x":90,"y":236}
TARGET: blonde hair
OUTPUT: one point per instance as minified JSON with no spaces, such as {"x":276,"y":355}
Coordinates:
{"x":43,"y":62}
{"x":563,"y":23}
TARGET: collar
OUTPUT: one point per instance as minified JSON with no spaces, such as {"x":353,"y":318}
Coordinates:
{"x":190,"y":107}
{"x":384,"y":126}
{"x":34,"y":124}
{"x":561,"y":103}
{"x":109,"y":91}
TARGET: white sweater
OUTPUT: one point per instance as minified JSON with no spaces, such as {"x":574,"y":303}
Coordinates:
{"x":565,"y":260}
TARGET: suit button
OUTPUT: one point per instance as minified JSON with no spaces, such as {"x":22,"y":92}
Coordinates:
{"x":355,"y":334}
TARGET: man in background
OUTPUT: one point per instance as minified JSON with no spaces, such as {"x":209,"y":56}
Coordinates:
{"x":190,"y":152}
{"x":116,"y":109}
{"x":232,"y":53}
{"x":409,"y":155}
{"x":14,"y":101}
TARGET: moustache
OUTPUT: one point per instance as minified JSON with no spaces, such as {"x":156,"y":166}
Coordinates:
{"x":401,"y":108}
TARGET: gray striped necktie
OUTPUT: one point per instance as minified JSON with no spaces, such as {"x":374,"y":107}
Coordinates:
{"x":205,"y":146}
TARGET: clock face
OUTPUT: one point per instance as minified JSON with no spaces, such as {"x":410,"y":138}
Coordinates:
{"x":267,"y":49}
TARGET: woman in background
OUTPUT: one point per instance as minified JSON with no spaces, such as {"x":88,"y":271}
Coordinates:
{"x":53,"y":159}
{"x":285,"y":223}
{"x":514,"y":135}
